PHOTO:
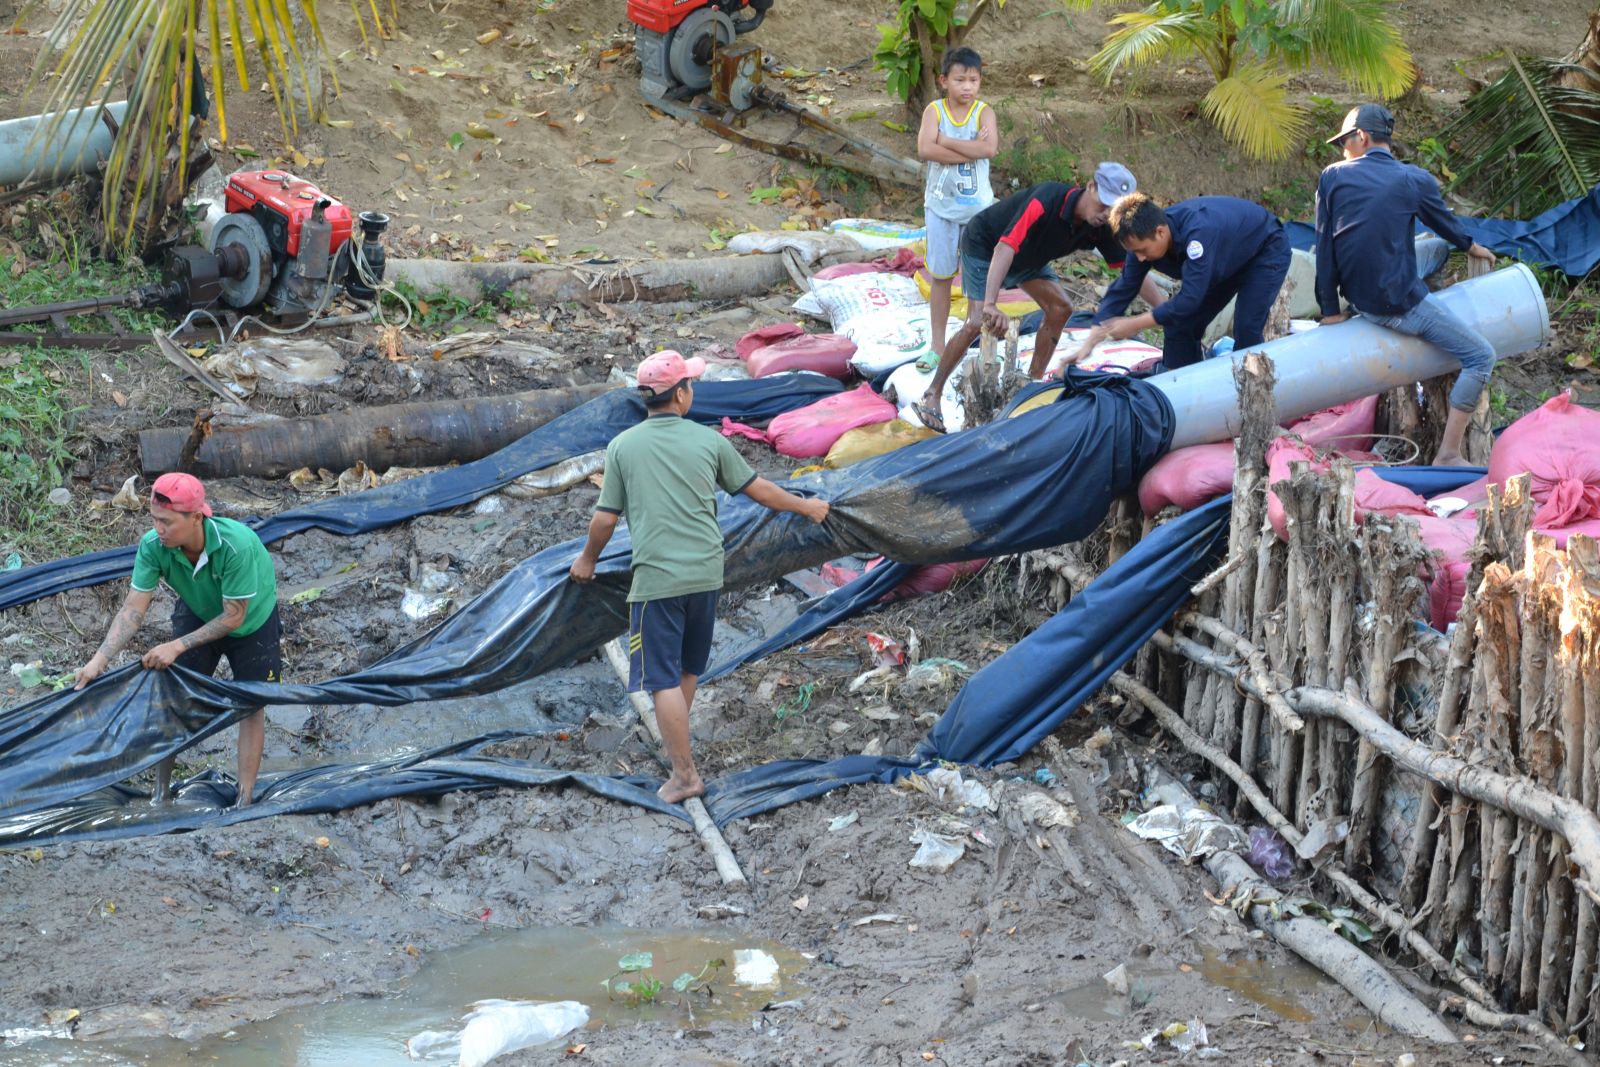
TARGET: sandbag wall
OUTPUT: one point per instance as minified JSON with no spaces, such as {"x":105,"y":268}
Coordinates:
{"x":1446,"y":785}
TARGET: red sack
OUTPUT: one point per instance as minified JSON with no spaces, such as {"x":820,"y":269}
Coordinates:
{"x":934,"y":578}
{"x":825,"y":353}
{"x":1559,"y":445}
{"x":762,"y":336}
{"x":812,"y":430}
{"x":904,"y":261}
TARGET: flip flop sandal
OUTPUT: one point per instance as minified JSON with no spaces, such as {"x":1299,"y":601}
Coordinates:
{"x":929,"y":415}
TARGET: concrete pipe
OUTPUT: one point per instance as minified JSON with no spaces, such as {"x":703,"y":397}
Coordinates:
{"x":1356,"y":358}
{"x":82,"y":141}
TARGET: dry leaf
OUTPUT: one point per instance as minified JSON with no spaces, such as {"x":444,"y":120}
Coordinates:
{"x":120,"y":398}
{"x":127,"y":497}
{"x":489,"y":36}
{"x":323,"y":842}
{"x":170,"y":902}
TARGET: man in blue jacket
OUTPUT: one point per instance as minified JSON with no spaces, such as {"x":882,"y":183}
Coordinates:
{"x":1365,"y":211}
{"x":1220,"y":247}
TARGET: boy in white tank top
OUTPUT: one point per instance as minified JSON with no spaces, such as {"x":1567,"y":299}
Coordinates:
{"x":957,"y":139}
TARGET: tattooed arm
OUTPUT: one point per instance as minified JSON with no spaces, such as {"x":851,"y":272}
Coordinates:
{"x":123,"y":627}
{"x":231,"y":619}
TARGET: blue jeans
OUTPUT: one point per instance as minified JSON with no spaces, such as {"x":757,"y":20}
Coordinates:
{"x":1438,"y":325}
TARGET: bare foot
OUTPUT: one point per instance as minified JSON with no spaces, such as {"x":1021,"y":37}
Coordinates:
{"x":1449,"y":459}
{"x":676,"y":790}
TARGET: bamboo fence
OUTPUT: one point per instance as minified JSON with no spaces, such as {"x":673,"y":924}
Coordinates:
{"x":1449,"y":787}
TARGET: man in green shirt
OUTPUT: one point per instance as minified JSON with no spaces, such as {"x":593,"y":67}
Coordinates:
{"x":663,"y":474}
{"x":227,"y":605}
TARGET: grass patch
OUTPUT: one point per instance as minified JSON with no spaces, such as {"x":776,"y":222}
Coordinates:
{"x":38,"y":430}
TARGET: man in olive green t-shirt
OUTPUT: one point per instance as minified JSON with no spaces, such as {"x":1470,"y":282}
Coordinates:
{"x":227,"y":605}
{"x":663,"y":475}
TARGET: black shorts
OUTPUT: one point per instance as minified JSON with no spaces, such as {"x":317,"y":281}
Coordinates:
{"x":257,"y":657}
{"x":668,"y":639}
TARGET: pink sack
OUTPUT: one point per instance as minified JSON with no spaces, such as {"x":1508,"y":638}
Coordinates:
{"x":762,"y":336}
{"x":904,"y":261}
{"x":934,"y":578}
{"x":1346,"y":427}
{"x":812,"y":430}
{"x":1187,"y":477}
{"x":825,"y":353}
{"x":1559,"y":445}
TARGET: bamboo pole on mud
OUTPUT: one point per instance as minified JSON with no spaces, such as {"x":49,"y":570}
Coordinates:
{"x":721,"y":855}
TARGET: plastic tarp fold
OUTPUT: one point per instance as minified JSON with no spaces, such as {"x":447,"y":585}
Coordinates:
{"x":1040,"y":479}
{"x":586,"y":428}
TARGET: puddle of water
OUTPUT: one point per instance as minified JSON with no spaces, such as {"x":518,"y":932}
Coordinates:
{"x":563,"y":963}
{"x":1280,"y":987}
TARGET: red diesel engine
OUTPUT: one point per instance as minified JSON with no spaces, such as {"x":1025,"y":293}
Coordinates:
{"x":286,"y":244}
{"x":674,"y":40}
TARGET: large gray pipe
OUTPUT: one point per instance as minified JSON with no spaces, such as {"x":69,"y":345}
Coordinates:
{"x":1356,"y":358}
{"x":81,"y":142}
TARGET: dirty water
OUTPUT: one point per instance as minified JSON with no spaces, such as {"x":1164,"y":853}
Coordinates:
{"x":1285,"y":986}
{"x":537,"y":964}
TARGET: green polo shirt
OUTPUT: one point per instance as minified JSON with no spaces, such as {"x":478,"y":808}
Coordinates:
{"x":234,"y":566}
{"x":662,"y":476}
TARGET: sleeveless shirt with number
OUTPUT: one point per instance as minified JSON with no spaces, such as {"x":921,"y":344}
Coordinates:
{"x":958,"y":191}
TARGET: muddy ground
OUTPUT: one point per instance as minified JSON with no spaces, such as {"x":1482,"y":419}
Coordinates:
{"x":997,"y":961}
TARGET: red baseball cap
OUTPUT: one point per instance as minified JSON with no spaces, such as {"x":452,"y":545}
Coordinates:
{"x":182,"y":492}
{"x":664,"y":370}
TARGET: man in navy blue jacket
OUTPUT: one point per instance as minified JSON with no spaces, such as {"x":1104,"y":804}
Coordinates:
{"x":1220,"y":247}
{"x":1365,"y":248}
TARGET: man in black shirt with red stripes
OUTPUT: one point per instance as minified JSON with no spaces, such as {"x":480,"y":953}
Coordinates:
{"x":1011,"y":244}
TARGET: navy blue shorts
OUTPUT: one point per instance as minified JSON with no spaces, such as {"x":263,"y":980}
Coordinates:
{"x":256,"y":657}
{"x":668,"y":639}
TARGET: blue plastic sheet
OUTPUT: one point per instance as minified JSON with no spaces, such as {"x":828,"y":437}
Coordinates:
{"x":1565,"y":238}
{"x":1040,"y":479}
{"x":586,"y":428}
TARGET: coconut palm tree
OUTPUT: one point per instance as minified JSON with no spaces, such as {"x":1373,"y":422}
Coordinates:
{"x":1531,"y":138}
{"x":1252,"y":47}
{"x":150,"y":53}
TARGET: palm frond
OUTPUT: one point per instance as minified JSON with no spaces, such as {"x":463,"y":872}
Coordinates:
{"x":147,"y":51}
{"x":1353,"y":38}
{"x":1252,"y":109}
{"x":1152,"y":34}
{"x":1525,"y":140}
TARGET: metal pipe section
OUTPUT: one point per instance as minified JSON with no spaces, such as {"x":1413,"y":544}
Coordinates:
{"x":82,"y":141}
{"x":1356,"y":358}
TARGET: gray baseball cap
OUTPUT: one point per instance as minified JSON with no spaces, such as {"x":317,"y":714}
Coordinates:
{"x":1374,"y":118}
{"x":1113,"y":181}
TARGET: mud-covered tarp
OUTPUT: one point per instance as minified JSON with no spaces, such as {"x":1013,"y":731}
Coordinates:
{"x":588,"y":427}
{"x":1043,"y":478}
{"x":1565,"y":238}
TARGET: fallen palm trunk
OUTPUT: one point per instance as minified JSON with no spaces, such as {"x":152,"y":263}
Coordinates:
{"x":430,"y":434}
{"x":716,"y":844}
{"x":712,"y":278}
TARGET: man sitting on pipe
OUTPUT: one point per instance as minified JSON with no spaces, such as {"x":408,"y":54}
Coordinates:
{"x":1220,"y":247}
{"x":1366,"y":207}
{"x":663,"y":475}
{"x":227,"y":595}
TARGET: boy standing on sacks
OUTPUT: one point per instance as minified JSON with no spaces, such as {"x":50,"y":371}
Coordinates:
{"x":663,"y":474}
{"x":957,"y":139}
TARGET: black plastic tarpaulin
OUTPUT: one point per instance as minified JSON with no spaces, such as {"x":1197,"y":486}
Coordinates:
{"x":1040,"y":479}
{"x":588,"y":427}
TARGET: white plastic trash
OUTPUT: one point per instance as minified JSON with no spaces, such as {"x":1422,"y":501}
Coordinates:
{"x":754,"y":967}
{"x":936,"y":852}
{"x":496,"y":1027}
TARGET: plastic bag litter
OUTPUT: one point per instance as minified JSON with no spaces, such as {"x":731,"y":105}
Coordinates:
{"x":495,"y":1027}
{"x":292,"y":362}
{"x":1270,"y":854}
{"x":1046,"y":812}
{"x":428,"y":601}
{"x":935,"y":674}
{"x":1190,"y":835}
{"x":946,"y":784}
{"x":754,"y":967}
{"x":936,"y":852}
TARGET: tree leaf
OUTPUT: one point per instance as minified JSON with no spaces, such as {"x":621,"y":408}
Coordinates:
{"x":635,"y":961}
{"x":683,"y":981}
